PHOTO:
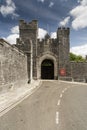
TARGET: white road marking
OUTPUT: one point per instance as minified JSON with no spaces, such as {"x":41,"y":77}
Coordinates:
{"x":61,"y":95}
{"x":63,"y":91}
{"x":58,"y":102}
{"x":57,"y":118}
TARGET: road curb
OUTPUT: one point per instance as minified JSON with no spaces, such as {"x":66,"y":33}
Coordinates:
{"x":79,"y":83}
{"x":11,"y":105}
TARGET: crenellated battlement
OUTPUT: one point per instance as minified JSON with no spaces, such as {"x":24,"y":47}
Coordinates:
{"x":31,"y":25}
{"x":24,"y":61}
{"x":63,"y":30}
{"x":59,"y":47}
{"x":44,"y":41}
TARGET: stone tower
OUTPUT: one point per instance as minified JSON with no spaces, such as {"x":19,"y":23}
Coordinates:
{"x":64,"y":45}
{"x":49,"y":55}
{"x":28,"y":39}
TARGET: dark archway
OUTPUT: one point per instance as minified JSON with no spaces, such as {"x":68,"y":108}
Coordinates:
{"x":47,"y":69}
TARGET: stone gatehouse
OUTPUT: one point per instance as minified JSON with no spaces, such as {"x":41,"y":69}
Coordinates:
{"x":48,"y":55}
{"x":32,"y":58}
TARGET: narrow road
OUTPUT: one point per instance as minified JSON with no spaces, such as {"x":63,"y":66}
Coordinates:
{"x":54,"y":106}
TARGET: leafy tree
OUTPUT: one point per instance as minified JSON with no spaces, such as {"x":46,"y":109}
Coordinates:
{"x":76,"y":58}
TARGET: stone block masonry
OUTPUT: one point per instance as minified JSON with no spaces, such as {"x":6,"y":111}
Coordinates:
{"x":79,"y":71}
{"x":13,"y":66}
{"x":33,"y":58}
{"x":56,"y":51}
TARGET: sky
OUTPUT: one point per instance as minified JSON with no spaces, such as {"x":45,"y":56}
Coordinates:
{"x":50,"y":14}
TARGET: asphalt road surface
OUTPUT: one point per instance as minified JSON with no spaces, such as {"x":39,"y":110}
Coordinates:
{"x":54,"y":106}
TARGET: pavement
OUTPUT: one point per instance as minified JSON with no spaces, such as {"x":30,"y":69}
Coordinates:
{"x":72,"y":82}
{"x":12,"y":97}
{"x":55,"y":105}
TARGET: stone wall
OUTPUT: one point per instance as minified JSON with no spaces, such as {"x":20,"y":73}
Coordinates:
{"x":79,"y":71}
{"x":28,"y":32}
{"x":13,"y":66}
{"x":47,"y":45}
{"x":63,"y":40}
{"x":56,"y":50}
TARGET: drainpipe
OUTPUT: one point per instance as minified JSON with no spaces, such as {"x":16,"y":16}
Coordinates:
{"x":72,"y":73}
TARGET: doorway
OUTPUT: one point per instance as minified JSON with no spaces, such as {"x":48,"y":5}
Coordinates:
{"x":47,"y":69}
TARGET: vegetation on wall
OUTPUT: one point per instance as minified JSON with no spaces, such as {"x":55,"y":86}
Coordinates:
{"x":77,"y":58}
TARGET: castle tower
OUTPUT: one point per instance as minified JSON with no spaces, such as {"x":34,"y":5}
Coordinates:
{"x":52,"y":51}
{"x":63,"y":39}
{"x":27,"y":36}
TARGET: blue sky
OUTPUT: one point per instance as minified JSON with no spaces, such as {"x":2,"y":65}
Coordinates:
{"x":50,"y":14}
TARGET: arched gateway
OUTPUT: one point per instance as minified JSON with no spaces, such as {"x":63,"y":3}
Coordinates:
{"x":46,"y":57}
{"x":47,"y":69}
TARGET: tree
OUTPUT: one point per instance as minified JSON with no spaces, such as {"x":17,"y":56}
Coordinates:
{"x":77,"y":58}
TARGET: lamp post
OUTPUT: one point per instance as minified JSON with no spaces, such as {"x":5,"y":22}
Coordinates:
{"x":31,"y":62}
{"x":2,"y":59}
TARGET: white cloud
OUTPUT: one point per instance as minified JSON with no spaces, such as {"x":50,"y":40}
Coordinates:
{"x":65,"y":21}
{"x":12,"y":38}
{"x":83,"y":2}
{"x":14,"y":34}
{"x":51,"y":4}
{"x":8,"y":9}
{"x":41,"y":33}
{"x":15,"y":29}
{"x":64,"y":0}
{"x":53,"y":35}
{"x":41,"y":1}
{"x":79,"y":14}
{"x":79,"y":50}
